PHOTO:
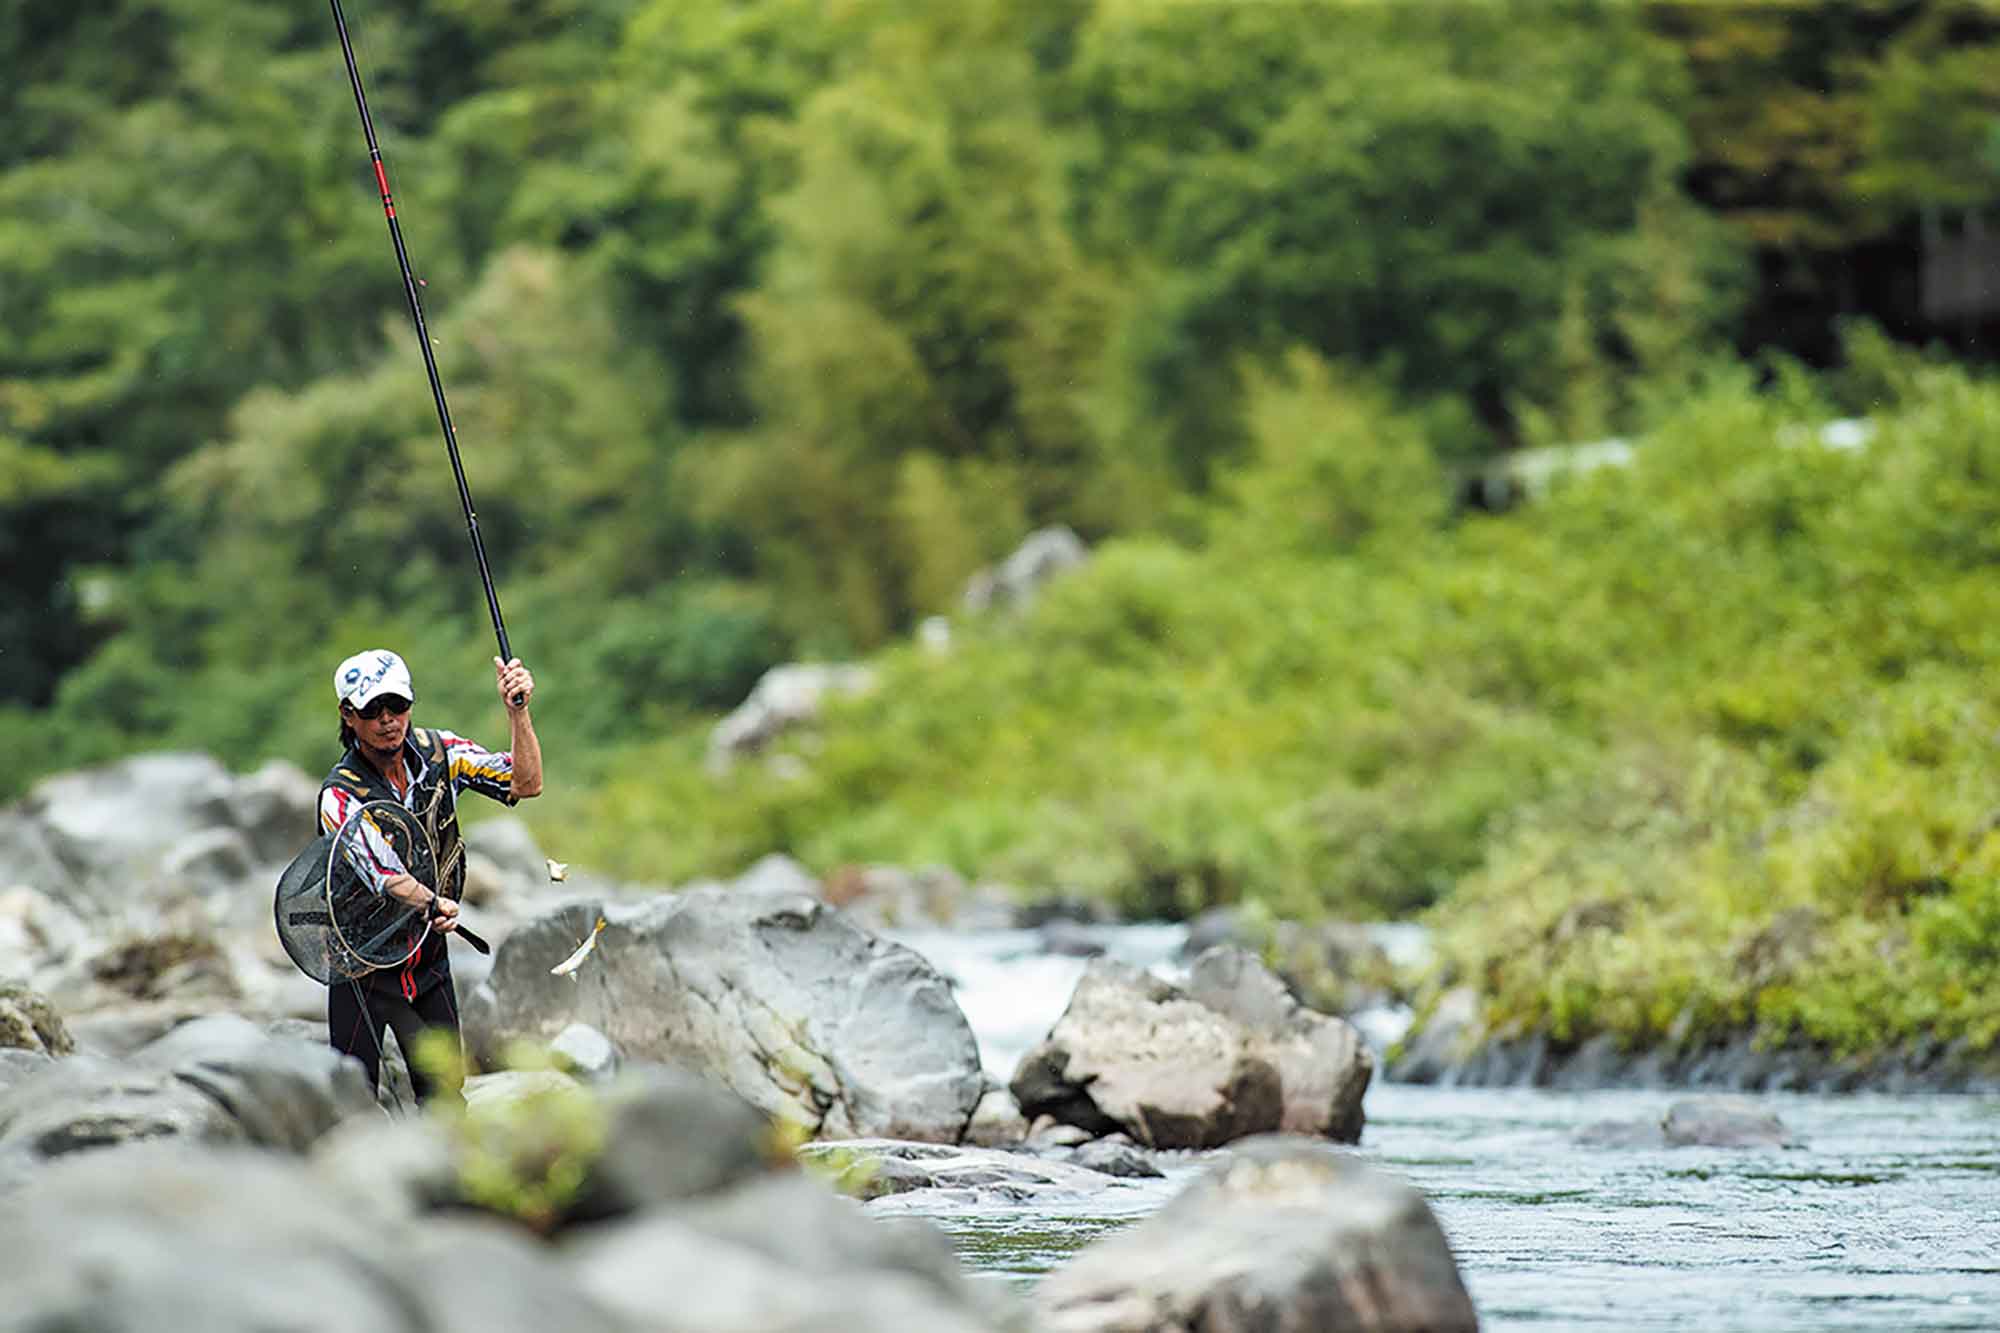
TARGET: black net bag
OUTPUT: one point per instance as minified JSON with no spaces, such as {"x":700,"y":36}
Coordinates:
{"x":336,"y":914}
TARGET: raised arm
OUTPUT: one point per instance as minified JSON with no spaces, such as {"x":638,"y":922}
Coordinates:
{"x":514,"y":682}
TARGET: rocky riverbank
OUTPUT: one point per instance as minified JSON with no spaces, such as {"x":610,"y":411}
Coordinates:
{"x":169,"y":1108}
{"x":1452,"y":1045}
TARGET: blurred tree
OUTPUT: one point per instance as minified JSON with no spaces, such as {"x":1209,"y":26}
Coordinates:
{"x":1427,"y":191}
{"x":1820,"y":131}
{"x":921,"y":298}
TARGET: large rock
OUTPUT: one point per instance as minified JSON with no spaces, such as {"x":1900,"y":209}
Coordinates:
{"x":1724,"y":1122}
{"x":28,"y":1022}
{"x":110,"y":824}
{"x":36,"y":931}
{"x":784,"y":1255}
{"x":879,"y":1168}
{"x":673,"y":1136}
{"x":1284,"y":1235}
{"x":776,"y":996}
{"x":1323,"y":1064}
{"x":103,"y":840}
{"x":1134,"y":1053}
{"x":172,"y":1236}
{"x":216,"y":1080}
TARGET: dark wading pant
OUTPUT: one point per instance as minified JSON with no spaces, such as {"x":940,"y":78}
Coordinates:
{"x":357,"y":1014}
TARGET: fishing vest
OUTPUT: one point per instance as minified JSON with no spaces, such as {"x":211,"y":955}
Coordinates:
{"x":435,"y":806}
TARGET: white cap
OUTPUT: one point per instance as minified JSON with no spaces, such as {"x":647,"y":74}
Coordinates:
{"x":365,"y":675}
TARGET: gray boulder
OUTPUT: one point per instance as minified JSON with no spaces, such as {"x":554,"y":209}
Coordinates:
{"x":28,"y":1022}
{"x":508,"y":843}
{"x":1724,"y":1122}
{"x":1323,"y":1064}
{"x":216,"y":1080}
{"x":1436,"y":1051}
{"x":878,"y":1168}
{"x":783,"y":1255}
{"x":1283,"y":1235}
{"x":674,"y":1137}
{"x":585,"y":1052}
{"x":1136,"y":1054}
{"x":36,"y":932}
{"x":778,"y":997}
{"x":172,"y":1236}
{"x":996,"y":1122}
{"x":1115,"y":1155}
{"x":108,"y":825}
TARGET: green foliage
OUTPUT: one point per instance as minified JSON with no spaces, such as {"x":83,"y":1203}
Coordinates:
{"x":766,"y":322}
{"x":526,"y":1156}
{"x":1436,"y":193}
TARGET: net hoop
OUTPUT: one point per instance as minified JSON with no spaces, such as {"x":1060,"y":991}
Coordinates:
{"x":349,"y":830}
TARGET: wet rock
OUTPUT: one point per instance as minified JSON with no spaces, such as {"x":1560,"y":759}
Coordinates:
{"x":878,"y":1168}
{"x":585,"y":1052}
{"x":1075,"y":911}
{"x":207,"y":859}
{"x":892,"y":898}
{"x":1724,"y":1122}
{"x":1046,"y":1133}
{"x":109,"y":824}
{"x":216,"y":1080}
{"x":1622,"y":1134}
{"x":1220,"y":925}
{"x":1115,"y":1155}
{"x":996,"y":1122}
{"x":507,"y":842}
{"x":783,"y":1255}
{"x":276,"y":809}
{"x":777,"y":997}
{"x":1436,"y":1051}
{"x":36,"y":932}
{"x":405,"y":1165}
{"x":1285,"y":1234}
{"x":34,"y":856}
{"x":1069,"y":939}
{"x":672,"y":1136}
{"x":1323,"y":1065}
{"x":172,"y":1236}
{"x":1133,"y":1053}
{"x":28,"y":1022}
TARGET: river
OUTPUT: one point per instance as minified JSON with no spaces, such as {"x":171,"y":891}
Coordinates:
{"x":1886,"y":1219}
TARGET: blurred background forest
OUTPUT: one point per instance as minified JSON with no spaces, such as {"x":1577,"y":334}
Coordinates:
{"x":766,"y":323}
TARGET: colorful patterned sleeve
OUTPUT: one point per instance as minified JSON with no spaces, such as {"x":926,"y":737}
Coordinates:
{"x":488,"y":772}
{"x":335,"y":806}
{"x":374,"y":861}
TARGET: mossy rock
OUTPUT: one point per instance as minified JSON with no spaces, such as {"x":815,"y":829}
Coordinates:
{"x":29,"y":1022}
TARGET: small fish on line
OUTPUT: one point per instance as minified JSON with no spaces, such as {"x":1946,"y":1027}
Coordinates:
{"x":569,"y":965}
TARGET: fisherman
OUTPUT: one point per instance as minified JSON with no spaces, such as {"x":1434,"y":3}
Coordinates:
{"x":424,"y":770}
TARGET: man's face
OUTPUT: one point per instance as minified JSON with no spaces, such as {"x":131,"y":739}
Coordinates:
{"x":388,"y":725}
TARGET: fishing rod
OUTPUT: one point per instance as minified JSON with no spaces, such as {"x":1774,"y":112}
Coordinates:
{"x":423,"y":338}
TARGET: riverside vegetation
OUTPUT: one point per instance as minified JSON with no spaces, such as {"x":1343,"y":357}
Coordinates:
{"x":767,"y":324}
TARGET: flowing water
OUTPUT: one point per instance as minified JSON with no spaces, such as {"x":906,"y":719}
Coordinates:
{"x":1887,"y":1218}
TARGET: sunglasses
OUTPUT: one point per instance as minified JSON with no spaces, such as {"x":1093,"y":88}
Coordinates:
{"x":383,"y":703}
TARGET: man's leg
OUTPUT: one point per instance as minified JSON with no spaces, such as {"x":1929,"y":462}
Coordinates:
{"x":435,"y":1011}
{"x":354,"y":1027}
